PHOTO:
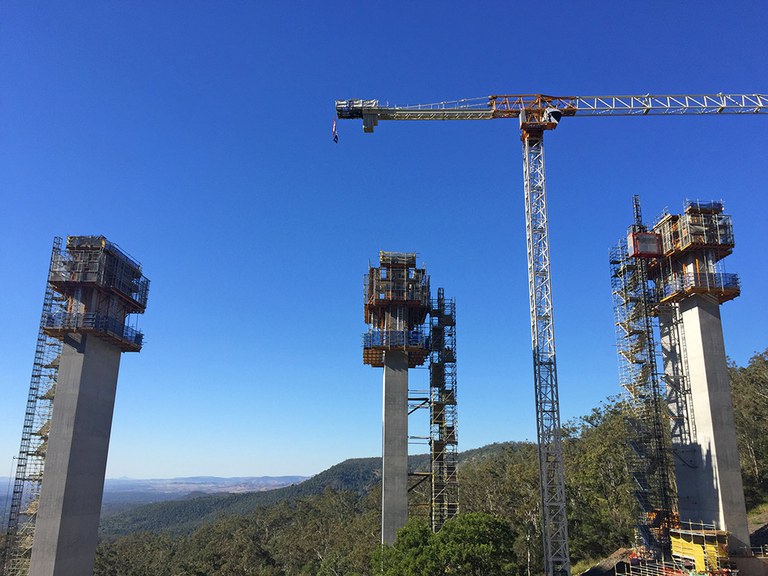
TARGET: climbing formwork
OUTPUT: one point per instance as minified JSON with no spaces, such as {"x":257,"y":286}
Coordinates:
{"x":693,"y":245}
{"x":396,"y":301}
{"x":109,"y":288}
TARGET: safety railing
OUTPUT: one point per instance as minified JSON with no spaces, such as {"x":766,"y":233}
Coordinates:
{"x":375,"y":338}
{"x":715,"y":281}
{"x":95,"y":323}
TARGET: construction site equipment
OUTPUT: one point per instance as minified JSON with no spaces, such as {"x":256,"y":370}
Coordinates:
{"x":693,"y":244}
{"x":443,"y":418}
{"x":634,"y":309}
{"x":671,"y":277}
{"x":396,"y":303}
{"x":537,"y":113}
{"x":110,"y":288}
{"x":34,"y":436}
{"x":703,"y":545}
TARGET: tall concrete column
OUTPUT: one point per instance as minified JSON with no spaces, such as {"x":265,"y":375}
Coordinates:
{"x":67,"y":524}
{"x":712,"y":491}
{"x":394,"y":481}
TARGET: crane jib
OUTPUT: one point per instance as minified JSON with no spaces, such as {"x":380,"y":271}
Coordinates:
{"x":511,"y":106}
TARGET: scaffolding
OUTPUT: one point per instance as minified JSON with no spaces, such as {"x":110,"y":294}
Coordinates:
{"x":34,"y":437}
{"x":696,"y":548}
{"x":443,"y":413}
{"x":702,"y":545}
{"x":634,"y":310}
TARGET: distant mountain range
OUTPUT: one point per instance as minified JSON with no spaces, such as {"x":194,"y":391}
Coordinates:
{"x":180,"y":505}
{"x":123,"y":493}
{"x":358,"y":475}
{"x":119,"y":489}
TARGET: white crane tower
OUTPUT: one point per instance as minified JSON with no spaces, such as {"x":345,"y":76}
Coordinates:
{"x":537,"y":113}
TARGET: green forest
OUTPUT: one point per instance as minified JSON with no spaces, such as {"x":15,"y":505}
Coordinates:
{"x":329,"y":525}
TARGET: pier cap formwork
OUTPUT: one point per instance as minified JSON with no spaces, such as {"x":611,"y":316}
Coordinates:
{"x":396,"y":302}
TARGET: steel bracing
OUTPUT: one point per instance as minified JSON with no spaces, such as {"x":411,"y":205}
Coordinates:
{"x":676,"y":378}
{"x":552,"y":479}
{"x":34,"y":438}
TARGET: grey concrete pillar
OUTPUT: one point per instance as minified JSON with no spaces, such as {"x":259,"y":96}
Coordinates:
{"x":712,"y":491}
{"x":394,"y":478}
{"x":66,"y":529}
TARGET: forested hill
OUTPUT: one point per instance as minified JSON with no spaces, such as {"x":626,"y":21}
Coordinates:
{"x":358,"y":475}
{"x":330,"y":524}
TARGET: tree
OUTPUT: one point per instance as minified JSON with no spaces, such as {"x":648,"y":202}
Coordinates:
{"x":507,"y":486}
{"x":140,"y":554}
{"x":229,"y":547}
{"x":601,"y":504}
{"x":749,"y":392}
{"x":475,"y":545}
{"x":467,"y":545}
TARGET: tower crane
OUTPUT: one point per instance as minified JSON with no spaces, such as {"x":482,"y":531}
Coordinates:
{"x":538,"y":113}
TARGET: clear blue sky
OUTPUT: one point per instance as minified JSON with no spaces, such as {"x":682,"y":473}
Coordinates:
{"x":197,"y":136}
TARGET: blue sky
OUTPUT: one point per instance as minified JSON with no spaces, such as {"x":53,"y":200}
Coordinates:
{"x":196,"y":135}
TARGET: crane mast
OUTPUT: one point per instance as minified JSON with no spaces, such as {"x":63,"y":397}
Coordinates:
{"x":537,"y":113}
{"x":551,"y":475}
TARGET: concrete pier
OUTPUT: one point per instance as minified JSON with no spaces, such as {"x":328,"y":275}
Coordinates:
{"x":67,"y":524}
{"x":396,"y":304}
{"x":100,"y":288}
{"x":711,"y":491}
{"x":394,"y":488}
